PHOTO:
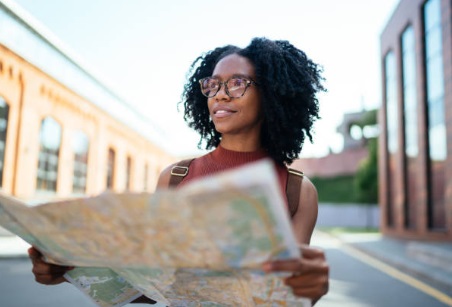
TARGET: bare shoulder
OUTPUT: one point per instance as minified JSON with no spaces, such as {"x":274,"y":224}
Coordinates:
{"x":164,"y":178}
{"x":305,"y":218}
{"x":308,"y":192}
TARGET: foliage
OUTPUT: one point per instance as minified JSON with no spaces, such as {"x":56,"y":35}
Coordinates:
{"x":336,"y":189}
{"x":369,"y":119}
{"x":366,"y":178}
{"x":363,"y":186}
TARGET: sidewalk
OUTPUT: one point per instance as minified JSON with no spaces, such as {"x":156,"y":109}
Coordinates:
{"x":12,"y":246}
{"x":431,"y":262}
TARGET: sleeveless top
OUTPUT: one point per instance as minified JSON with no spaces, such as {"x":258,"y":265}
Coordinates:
{"x":222,"y":159}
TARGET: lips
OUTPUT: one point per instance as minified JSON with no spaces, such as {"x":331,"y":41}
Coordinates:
{"x":220,"y":112}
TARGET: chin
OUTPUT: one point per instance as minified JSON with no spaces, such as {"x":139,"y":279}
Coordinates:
{"x":221,"y":129}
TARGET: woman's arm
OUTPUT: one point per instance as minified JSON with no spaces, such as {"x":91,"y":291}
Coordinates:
{"x":310,"y":273}
{"x":164,"y":178}
{"x":303,"y":222}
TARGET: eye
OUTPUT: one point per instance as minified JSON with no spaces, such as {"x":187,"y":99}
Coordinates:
{"x":210,"y":83}
{"x":236,"y":83}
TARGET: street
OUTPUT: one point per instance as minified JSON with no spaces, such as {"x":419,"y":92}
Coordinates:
{"x":353,"y":283}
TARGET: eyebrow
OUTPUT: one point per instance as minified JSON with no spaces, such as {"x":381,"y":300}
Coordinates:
{"x":234,"y":76}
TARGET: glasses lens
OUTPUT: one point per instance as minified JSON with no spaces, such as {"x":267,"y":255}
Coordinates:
{"x":237,"y":87}
{"x":209,"y":86}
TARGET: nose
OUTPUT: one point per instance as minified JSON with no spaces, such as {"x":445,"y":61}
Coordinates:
{"x":221,"y":94}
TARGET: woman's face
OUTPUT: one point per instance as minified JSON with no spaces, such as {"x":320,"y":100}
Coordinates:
{"x":236,"y":116}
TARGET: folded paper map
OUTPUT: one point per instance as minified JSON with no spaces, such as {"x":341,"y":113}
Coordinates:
{"x":200,"y":245}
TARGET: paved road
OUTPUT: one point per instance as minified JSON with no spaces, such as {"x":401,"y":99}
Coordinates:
{"x":353,"y":283}
{"x":356,"y":283}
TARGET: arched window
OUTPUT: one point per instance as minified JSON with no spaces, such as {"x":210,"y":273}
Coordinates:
{"x":80,"y":145}
{"x":50,"y":139}
{"x":128,"y":173}
{"x":110,"y":168}
{"x":4,"y":110}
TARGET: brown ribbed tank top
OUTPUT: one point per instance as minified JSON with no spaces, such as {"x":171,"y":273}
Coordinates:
{"x":222,"y":159}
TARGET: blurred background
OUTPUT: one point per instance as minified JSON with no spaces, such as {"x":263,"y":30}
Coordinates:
{"x":89,"y":94}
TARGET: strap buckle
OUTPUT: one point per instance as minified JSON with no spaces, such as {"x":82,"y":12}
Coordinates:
{"x":295,"y":172}
{"x":180,"y":171}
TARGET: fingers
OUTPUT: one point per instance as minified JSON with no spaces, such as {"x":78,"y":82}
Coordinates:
{"x":311,"y":252}
{"x":33,"y":253}
{"x":313,"y":292}
{"x":46,"y":273}
{"x":47,"y":279}
{"x":310,"y":273}
{"x":298,"y":266}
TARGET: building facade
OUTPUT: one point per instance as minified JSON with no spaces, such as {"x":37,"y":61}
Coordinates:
{"x":344,"y":163}
{"x":416,"y":120}
{"x":63,"y":133}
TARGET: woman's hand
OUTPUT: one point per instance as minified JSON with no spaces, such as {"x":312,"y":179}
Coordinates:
{"x":46,"y":273}
{"x":310,"y":273}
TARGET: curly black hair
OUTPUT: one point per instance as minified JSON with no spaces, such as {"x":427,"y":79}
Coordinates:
{"x":288,"y":83}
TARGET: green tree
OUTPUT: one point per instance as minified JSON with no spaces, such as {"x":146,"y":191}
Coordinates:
{"x":366,"y":178}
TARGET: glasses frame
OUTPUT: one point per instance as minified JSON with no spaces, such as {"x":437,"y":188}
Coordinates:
{"x":249,"y":81}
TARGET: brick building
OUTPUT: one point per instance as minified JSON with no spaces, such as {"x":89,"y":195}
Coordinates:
{"x":416,"y":121}
{"x":62,"y":132}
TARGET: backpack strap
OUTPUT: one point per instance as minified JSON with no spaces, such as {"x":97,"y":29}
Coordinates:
{"x":293,"y":189}
{"x":179,"y":171}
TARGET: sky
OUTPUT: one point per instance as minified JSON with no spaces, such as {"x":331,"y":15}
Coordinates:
{"x":143,"y":49}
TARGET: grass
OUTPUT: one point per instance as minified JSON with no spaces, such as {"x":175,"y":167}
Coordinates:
{"x":342,"y":230}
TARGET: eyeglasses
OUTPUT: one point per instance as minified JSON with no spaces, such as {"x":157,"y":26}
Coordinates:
{"x":234,"y":87}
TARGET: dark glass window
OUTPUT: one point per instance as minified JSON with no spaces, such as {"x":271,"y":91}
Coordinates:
{"x":391,"y":130}
{"x":391,"y":103}
{"x":409,"y":92}
{"x":437,"y":140}
{"x":80,"y":145}
{"x":110,"y":168}
{"x":4,"y":112}
{"x":50,"y":140}
{"x":410,"y":115}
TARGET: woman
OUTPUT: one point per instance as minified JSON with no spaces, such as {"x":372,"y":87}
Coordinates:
{"x":249,"y":104}
{"x":253,"y":103}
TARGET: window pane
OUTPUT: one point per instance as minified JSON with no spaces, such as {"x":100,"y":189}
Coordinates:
{"x":80,"y":145}
{"x":391,"y":102}
{"x":50,"y":138}
{"x":110,"y":168}
{"x":410,"y":126}
{"x":4,"y":110}
{"x":128,"y":173}
{"x":432,"y":14}
{"x":409,"y":92}
{"x":437,"y":136}
{"x":391,"y":132}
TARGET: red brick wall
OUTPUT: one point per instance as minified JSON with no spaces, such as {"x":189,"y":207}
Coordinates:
{"x":332,"y":165}
{"x":405,"y":201}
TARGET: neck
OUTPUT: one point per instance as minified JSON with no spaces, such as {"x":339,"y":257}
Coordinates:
{"x":240,"y":144}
